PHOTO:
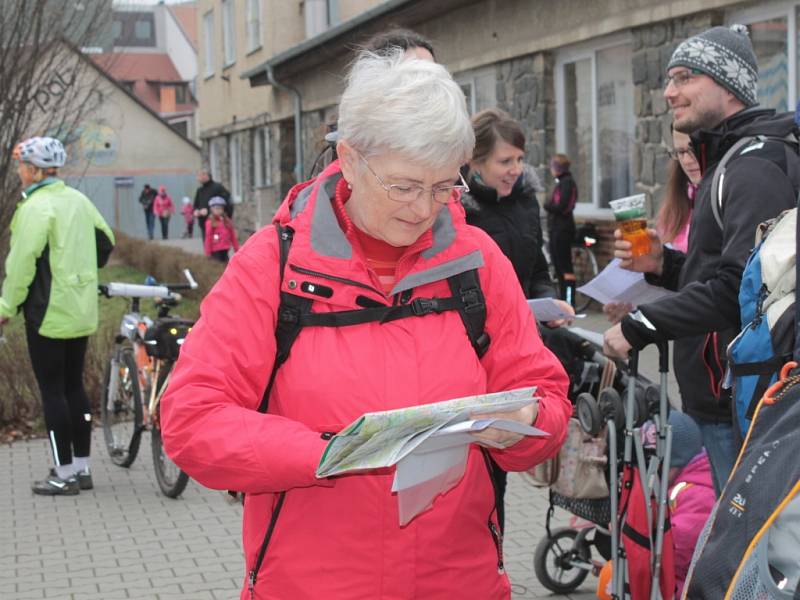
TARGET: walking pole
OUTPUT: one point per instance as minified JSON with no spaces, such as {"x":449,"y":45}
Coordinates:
{"x":655,"y":592}
{"x":663,"y":452}
{"x":617,"y":585}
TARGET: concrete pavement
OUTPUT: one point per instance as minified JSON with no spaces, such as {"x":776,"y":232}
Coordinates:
{"x":125,"y":540}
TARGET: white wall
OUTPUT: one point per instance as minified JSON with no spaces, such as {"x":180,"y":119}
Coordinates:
{"x":183,"y":55}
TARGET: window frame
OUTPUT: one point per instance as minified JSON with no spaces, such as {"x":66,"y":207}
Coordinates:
{"x":790,"y":11}
{"x":213,"y":158}
{"x":209,"y":66}
{"x":262,"y":154}
{"x":571,"y":54}
{"x":228,"y":33}
{"x":235,"y":166}
{"x":254,"y":42}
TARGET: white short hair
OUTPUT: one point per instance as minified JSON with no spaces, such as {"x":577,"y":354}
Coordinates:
{"x":407,"y":106}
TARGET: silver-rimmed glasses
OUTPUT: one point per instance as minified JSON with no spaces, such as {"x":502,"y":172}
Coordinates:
{"x":405,"y":193}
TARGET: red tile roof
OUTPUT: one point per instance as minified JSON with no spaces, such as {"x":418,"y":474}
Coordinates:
{"x":186,"y":16}
{"x":138,"y":66}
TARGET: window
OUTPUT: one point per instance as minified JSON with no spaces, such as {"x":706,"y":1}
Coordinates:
{"x":235,"y":157}
{"x":262,"y":167}
{"x":116,"y":30}
{"x":253,"y":25}
{"x":596,"y":122}
{"x":208,"y":42}
{"x":143,"y":30}
{"x":468,"y":87}
{"x":213,"y":159}
{"x":320,"y":15}
{"x":228,"y":33}
{"x":181,"y":94}
{"x":773,"y":33}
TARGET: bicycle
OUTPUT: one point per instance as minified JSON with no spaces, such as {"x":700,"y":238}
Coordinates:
{"x":584,"y":262}
{"x":137,"y":375}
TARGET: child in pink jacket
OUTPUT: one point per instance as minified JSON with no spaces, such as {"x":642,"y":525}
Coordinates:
{"x":220,"y":233}
{"x":163,"y":208}
{"x":188,"y":216}
{"x":691,"y":493}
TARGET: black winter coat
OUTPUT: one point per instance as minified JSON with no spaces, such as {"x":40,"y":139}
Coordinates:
{"x":513,"y":222}
{"x":703,"y":317}
{"x":561,"y":205}
{"x":210,"y":189}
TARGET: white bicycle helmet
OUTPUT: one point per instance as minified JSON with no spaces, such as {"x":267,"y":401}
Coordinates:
{"x":44,"y":152}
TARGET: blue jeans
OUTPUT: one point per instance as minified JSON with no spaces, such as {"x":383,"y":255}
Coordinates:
{"x":722,"y":447}
{"x":150,"y":220}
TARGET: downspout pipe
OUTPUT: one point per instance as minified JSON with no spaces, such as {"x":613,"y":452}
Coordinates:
{"x":298,"y":122}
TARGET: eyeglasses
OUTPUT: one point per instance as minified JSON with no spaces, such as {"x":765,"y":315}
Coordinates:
{"x":681,"y":78}
{"x":679,"y":153}
{"x":443,"y":194}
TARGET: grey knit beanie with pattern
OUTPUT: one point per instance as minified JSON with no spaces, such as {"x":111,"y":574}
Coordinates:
{"x":726,"y":55}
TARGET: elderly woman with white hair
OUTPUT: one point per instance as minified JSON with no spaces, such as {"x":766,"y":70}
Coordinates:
{"x":373,"y":274}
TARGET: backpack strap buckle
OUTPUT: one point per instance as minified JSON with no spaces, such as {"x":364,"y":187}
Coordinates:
{"x":472,"y":300}
{"x":424,"y":306}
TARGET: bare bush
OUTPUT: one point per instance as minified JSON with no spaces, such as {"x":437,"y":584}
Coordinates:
{"x":48,"y":87}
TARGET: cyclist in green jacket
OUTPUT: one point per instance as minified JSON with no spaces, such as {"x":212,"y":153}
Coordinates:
{"x":58,"y":241}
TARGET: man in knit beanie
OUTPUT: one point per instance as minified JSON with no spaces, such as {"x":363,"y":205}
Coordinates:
{"x":711,"y":88}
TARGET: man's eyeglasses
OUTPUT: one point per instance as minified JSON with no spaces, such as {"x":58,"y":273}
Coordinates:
{"x":405,"y":193}
{"x":681,"y":78}
{"x":680,"y":153}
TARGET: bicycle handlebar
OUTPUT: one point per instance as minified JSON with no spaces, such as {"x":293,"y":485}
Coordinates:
{"x":134,"y":290}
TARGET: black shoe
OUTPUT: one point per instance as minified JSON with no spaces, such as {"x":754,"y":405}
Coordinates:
{"x":85,"y":479}
{"x":53,"y":485}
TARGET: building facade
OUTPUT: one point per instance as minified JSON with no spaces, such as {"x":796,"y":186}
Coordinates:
{"x":584,"y":78}
{"x":152,"y":52}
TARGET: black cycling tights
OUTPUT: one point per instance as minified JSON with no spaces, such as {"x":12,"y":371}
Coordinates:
{"x":58,"y":367}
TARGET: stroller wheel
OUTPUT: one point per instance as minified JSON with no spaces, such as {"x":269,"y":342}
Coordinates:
{"x":611,"y":407}
{"x":554,"y":561}
{"x":589,"y":416}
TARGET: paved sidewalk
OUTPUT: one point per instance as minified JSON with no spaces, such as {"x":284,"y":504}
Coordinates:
{"x":125,"y":540}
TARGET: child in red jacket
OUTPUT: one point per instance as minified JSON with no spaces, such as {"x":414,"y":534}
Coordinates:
{"x":220,"y":233}
{"x":188,"y":216}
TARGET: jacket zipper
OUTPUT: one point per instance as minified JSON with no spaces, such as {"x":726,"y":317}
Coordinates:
{"x":304,"y":271}
{"x":253,"y":574}
{"x":498,"y":542}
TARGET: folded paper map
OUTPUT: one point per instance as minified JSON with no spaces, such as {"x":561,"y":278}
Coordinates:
{"x":428,"y":443}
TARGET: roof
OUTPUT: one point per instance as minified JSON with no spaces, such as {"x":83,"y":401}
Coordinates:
{"x":186,"y":17}
{"x":138,"y":66}
{"x":339,"y":40}
{"x":121,"y":89}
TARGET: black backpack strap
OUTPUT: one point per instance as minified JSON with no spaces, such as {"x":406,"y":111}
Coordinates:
{"x":289,"y":311}
{"x":466,"y":287}
{"x":738,"y":148}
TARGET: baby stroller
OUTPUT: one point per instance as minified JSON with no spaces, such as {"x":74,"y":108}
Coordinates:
{"x":563,"y":558}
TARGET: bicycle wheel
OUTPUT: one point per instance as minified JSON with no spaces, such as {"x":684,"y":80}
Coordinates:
{"x":121,"y":409}
{"x":584,"y":265}
{"x":552,"y":561}
{"x":171,"y":479}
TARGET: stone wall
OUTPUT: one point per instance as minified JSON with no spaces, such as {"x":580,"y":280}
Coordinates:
{"x":526,"y":90}
{"x":653,"y":46}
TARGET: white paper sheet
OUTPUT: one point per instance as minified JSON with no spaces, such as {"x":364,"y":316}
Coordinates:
{"x":615,"y":284}
{"x":547,"y":309}
{"x":438,"y":463}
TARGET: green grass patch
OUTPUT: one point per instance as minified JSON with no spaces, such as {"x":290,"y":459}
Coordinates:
{"x":20,"y":404}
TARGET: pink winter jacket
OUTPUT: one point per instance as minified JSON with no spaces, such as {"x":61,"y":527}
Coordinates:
{"x":163,"y":206}
{"x":339,"y":538}
{"x":220,"y":235}
{"x":691,"y":500}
